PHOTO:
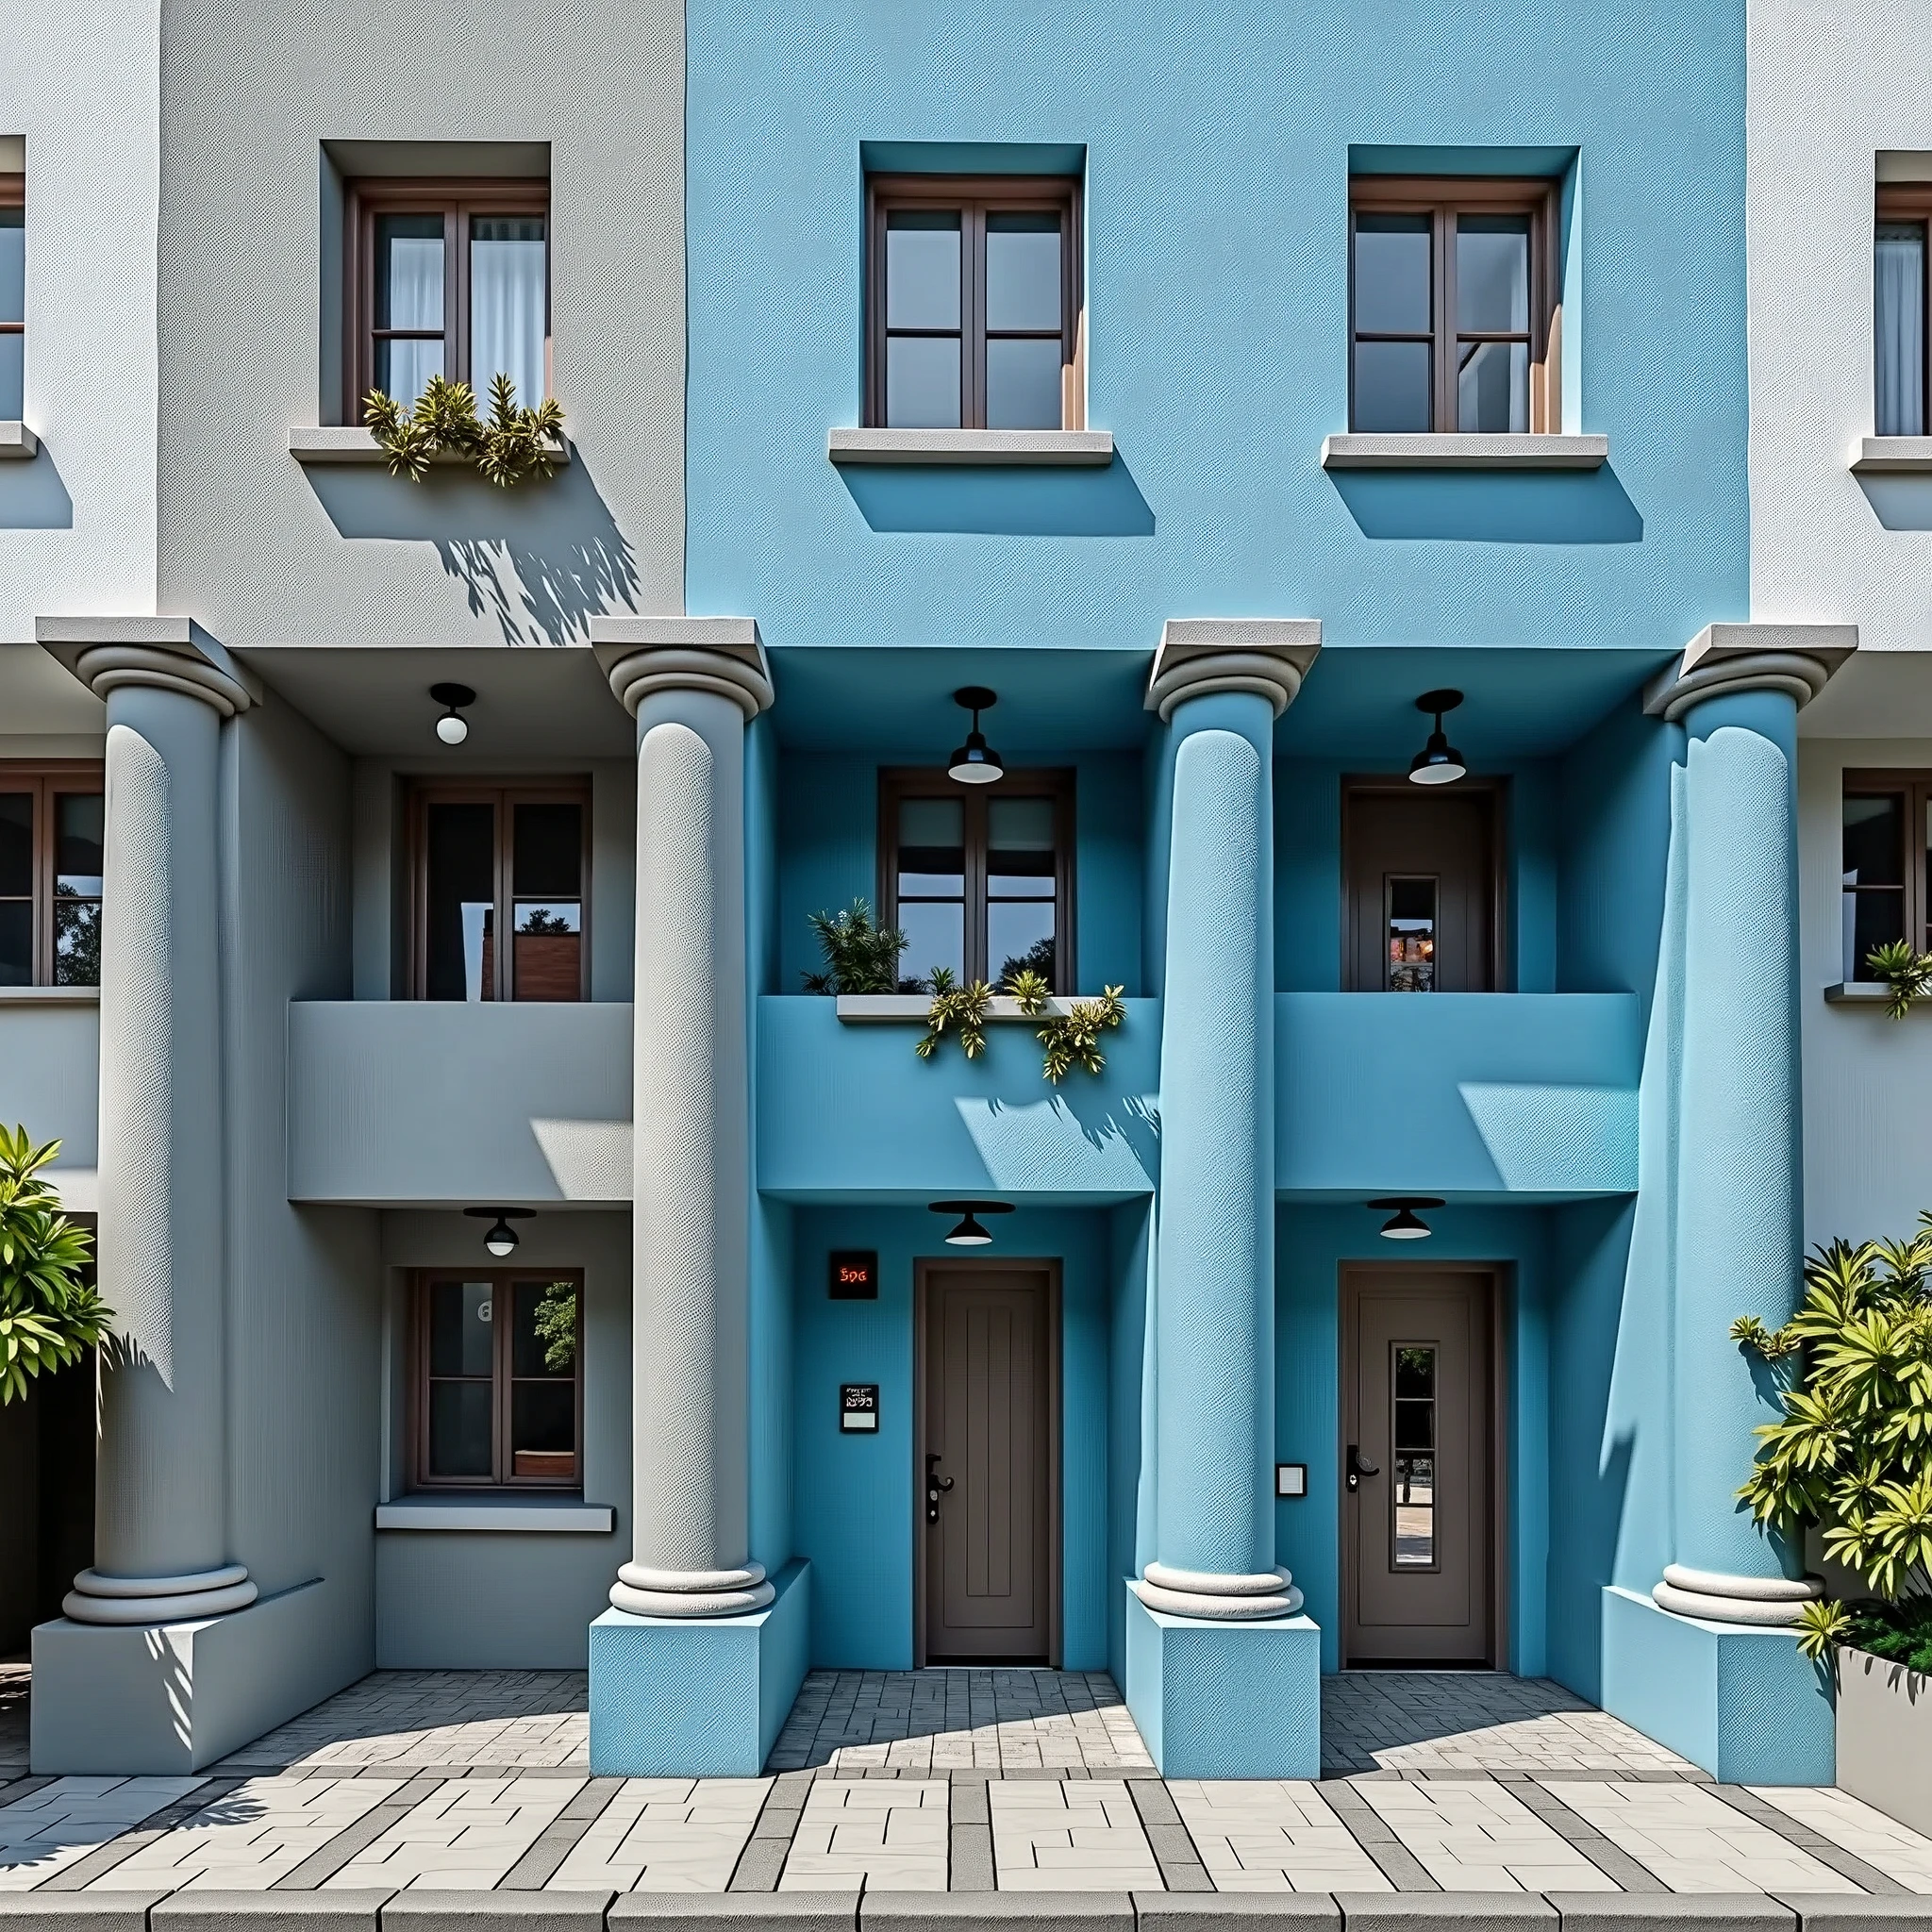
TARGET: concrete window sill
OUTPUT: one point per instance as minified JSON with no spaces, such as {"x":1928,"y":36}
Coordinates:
{"x":50,"y":995}
{"x":1858,"y":994}
{"x":1005,"y":448}
{"x":351,"y":445}
{"x":910,"y":1008}
{"x":503,"y":1515}
{"x":18,"y":443}
{"x":1459,"y":452}
{"x":1893,"y":455}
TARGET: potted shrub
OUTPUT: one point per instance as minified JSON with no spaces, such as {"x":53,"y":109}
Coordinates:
{"x":1851,"y":1456}
{"x":49,"y":1313}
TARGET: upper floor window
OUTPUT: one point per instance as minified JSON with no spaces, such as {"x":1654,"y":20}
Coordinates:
{"x":980,"y":880}
{"x":448,"y":278}
{"x":972,"y":304}
{"x":1898,"y":310}
{"x":12,"y":296}
{"x":51,"y":829}
{"x":1887,"y":882}
{"x":1451,"y":306}
{"x":496,"y":859}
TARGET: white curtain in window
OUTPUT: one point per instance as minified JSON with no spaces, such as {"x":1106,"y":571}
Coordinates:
{"x":506,"y":306}
{"x":1899,"y":328}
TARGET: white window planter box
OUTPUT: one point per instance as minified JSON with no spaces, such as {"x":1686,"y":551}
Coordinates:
{"x":910,"y":1008}
{"x":351,"y":445}
{"x":1885,"y":1737}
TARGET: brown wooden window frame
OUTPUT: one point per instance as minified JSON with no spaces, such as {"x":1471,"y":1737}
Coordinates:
{"x":13,"y":194}
{"x":1443,"y":198}
{"x":1914,"y":789}
{"x":505,"y":795}
{"x":1908,"y":201}
{"x":925,"y":781}
{"x":976,"y":196}
{"x":501,"y":1337}
{"x":47,"y":779}
{"x":459,"y":201}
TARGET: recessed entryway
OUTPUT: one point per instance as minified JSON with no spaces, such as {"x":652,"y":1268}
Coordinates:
{"x":985,"y":1438}
{"x":1420,"y":894}
{"x":1420,"y":1505}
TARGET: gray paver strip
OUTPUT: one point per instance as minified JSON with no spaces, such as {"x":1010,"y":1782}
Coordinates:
{"x":1616,"y":1864}
{"x":1391,"y":1856}
{"x":19,"y":1788}
{"x":1867,"y":1877}
{"x":464,"y":1836}
{"x":1272,"y":1835}
{"x":1072,"y":1836}
{"x":322,"y":1865}
{"x":536,"y":1868}
{"x":1903,"y":1855}
{"x":665,"y":1833}
{"x":86,"y":1825}
{"x":1472,"y":1837}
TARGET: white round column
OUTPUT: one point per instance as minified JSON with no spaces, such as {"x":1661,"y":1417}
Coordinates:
{"x":692,"y":1113}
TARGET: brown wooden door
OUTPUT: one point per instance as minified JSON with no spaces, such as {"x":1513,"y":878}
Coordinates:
{"x":1418,"y":1527}
{"x":1422,"y":910}
{"x":987,"y":1454}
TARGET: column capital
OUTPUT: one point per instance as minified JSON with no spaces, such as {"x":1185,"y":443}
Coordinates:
{"x":1266,"y":656}
{"x":722,"y":655}
{"x":1725,"y":658}
{"x":162,"y":653}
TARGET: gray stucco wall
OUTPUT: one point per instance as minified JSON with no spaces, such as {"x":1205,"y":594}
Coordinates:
{"x":447,"y":1600}
{"x":263,"y":552}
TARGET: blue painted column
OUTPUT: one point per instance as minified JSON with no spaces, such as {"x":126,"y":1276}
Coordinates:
{"x":1211,"y":1702}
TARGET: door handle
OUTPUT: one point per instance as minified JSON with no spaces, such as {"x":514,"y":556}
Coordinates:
{"x":1356,"y":1468}
{"x":936,"y":1487}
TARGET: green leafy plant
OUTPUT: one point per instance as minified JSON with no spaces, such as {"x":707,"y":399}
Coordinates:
{"x":1853,"y":1452}
{"x":1073,"y":1041}
{"x":1905,"y":971}
{"x":49,"y":1314}
{"x":963,"y":1008}
{"x":507,"y":447}
{"x":556,"y":1322}
{"x":860,"y":955}
{"x":1029,"y":991}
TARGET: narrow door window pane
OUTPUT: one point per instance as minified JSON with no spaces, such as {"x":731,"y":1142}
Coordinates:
{"x":923,"y":382}
{"x":1412,"y":934}
{"x":1872,"y":901}
{"x":12,"y":311}
{"x":16,"y":888}
{"x":78,"y":832}
{"x":1391,"y":275}
{"x":461,"y":909}
{"x":408,"y":298}
{"x":1493,"y":274}
{"x":1899,"y":328}
{"x":1492,"y":389}
{"x":1413,"y":1490}
{"x":923,"y":268}
{"x":546,"y":884}
{"x":506,"y":305}
{"x":1391,"y":388}
{"x":1022,"y":272}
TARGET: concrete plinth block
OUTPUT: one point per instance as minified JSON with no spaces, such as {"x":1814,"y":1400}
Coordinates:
{"x":697,"y":1697}
{"x":1850,"y":1911}
{"x":78,"y":1911}
{"x":1694,"y":1911}
{"x":1237,"y":1911}
{"x":950,"y":1911}
{"x":1226,"y":1700}
{"x":195,"y":1910}
{"x":1740,"y":1702}
{"x":127,"y":1701}
{"x":739,"y":1911}
{"x":496,"y":1911}
{"x":1447,"y":1911}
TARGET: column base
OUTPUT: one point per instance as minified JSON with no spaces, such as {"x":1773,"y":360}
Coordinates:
{"x":1237,"y":1699}
{"x":1739,"y":1701}
{"x":124,"y":1700}
{"x":684,"y":1697}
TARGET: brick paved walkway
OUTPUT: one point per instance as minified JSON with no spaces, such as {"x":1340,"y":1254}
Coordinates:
{"x":466,"y":1787}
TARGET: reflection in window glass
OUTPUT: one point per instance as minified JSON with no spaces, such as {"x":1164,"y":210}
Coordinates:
{"x":1022,"y":272}
{"x":461,"y":901}
{"x":546,"y":885}
{"x":16,"y":888}
{"x":1021,"y":884}
{"x":932,"y":884}
{"x":923,"y":318}
{"x":544,"y":1361}
{"x":78,"y":836}
{"x":1391,"y":275}
{"x":1872,"y":904}
{"x":1412,"y":934}
{"x":1392,"y":389}
{"x":1413,"y":1490}
{"x":1492,"y":389}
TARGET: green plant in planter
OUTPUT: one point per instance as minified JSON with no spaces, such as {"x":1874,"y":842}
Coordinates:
{"x":1853,"y":1451}
{"x":860,"y":956}
{"x":1905,"y":971}
{"x":961,"y":1007}
{"x":1073,"y":1041}
{"x":512,"y":445}
{"x":49,"y":1315}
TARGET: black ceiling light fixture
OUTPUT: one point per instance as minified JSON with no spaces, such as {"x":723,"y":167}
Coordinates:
{"x":1438,"y":763}
{"x":451,"y":727}
{"x":975,"y":763}
{"x":969,"y":1234}
{"x":1406,"y":1223}
{"x":502,"y":1239}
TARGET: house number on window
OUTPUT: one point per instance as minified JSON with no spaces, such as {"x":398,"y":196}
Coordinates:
{"x":858,"y":1409}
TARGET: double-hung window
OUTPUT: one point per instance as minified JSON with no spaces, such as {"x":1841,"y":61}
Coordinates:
{"x":51,"y":830}
{"x":1452,"y":311}
{"x":1898,"y":310}
{"x":972,"y":304}
{"x":452,"y":279}
{"x":980,"y":880}
{"x":1887,"y":882}
{"x":500,"y":906}
{"x":12,"y":296}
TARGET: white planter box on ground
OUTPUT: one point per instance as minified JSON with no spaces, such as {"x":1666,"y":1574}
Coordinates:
{"x":1885,"y":1737}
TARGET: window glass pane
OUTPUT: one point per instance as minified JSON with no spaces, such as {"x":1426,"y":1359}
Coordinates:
{"x":1493,"y":272}
{"x":1874,"y":840}
{"x":459,"y":1327}
{"x":1898,"y":322}
{"x":543,"y":1338}
{"x":12,"y":264}
{"x":1022,"y":270}
{"x":1391,"y":388}
{"x":1492,"y":388}
{"x":1020,"y":934}
{"x":1414,"y":1488}
{"x":935,"y":935}
{"x":923,"y":268}
{"x":546,"y":868}
{"x":923,"y":382}
{"x":547,"y":850}
{"x":16,"y":942}
{"x":932,"y":845}
{"x":1412,"y":934}
{"x":409,"y":272}
{"x":543,"y":1419}
{"x":1873,"y":920}
{"x":16,"y":844}
{"x":404,"y":367}
{"x":1019,"y":847}
{"x":460,"y":1429}
{"x":1023,"y":384}
{"x":461,"y":913}
{"x":506,"y":305}
{"x":1391,"y":275}
{"x":12,"y":377}
{"x":78,"y":863}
